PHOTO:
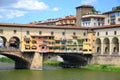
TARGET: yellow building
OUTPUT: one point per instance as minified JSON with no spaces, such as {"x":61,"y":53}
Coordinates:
{"x":29,"y":44}
{"x":89,"y":43}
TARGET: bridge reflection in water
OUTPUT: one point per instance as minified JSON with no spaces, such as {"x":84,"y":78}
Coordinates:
{"x":34,"y":60}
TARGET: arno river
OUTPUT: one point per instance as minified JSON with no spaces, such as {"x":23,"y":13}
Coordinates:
{"x":7,"y":72}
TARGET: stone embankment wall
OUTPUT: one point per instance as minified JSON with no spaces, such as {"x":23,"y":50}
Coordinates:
{"x":106,"y":59}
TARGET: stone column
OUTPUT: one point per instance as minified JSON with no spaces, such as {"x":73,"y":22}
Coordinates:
{"x":37,"y":61}
{"x":102,"y":48}
{"x":111,"y":48}
{"x":7,"y":44}
{"x":119,"y":49}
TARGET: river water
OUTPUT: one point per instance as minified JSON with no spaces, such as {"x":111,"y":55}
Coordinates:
{"x":7,"y":72}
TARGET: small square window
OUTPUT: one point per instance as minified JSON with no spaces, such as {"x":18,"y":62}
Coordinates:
{"x":115,"y":32}
{"x":27,"y":32}
{"x":106,"y":33}
{"x":52,"y":33}
{"x":98,"y":34}
{"x":15,"y":31}
{"x":84,"y":34}
{"x":40,"y":32}
{"x":63,"y":33}
{"x":1,"y":31}
{"x":74,"y":33}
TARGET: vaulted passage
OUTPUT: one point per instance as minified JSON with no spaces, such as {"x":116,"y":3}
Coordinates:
{"x":115,"y":45}
{"x":98,"y":46}
{"x":106,"y":46}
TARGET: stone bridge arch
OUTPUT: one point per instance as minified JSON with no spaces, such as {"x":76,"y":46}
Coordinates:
{"x":70,"y":59}
{"x":20,"y":62}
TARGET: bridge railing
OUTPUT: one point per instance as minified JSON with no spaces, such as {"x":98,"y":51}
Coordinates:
{"x":9,"y":49}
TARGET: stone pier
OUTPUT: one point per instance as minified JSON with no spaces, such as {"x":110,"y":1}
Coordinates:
{"x":37,"y":61}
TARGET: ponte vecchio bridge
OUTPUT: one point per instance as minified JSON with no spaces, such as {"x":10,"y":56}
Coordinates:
{"x":29,"y":48}
{"x":34,"y":60}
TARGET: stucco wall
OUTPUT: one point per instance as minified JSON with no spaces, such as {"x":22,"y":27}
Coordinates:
{"x":106,"y":59}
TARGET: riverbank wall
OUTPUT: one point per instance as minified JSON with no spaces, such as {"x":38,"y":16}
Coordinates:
{"x":106,"y":59}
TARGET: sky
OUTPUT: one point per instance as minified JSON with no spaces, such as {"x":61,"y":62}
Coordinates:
{"x":26,"y":11}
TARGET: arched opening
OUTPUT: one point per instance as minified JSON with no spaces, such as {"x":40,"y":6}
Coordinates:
{"x":106,"y":45}
{"x":98,"y":46}
{"x":14,"y":42}
{"x":3,"y":41}
{"x":115,"y":45}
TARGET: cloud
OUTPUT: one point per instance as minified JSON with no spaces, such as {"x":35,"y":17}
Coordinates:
{"x":16,"y":8}
{"x":56,"y":9}
{"x":7,"y":2}
{"x":9,"y":13}
{"x":30,"y":5}
{"x":15,"y":13}
{"x":1,"y":16}
{"x":88,"y":1}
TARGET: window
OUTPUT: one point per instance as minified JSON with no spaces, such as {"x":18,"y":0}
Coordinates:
{"x":27,"y":32}
{"x":74,"y":33}
{"x":63,"y":33}
{"x":52,"y":33}
{"x":108,"y":21}
{"x":118,"y":19}
{"x":33,"y":37}
{"x":112,"y":15}
{"x":1,"y":31}
{"x":86,"y":40}
{"x":106,"y":33}
{"x":40,"y":32}
{"x":115,"y":32}
{"x":34,"y":41}
{"x":94,"y":24}
{"x":98,"y":34}
{"x":34,"y":47}
{"x":84,"y":34}
{"x":27,"y":46}
{"x":118,"y":13}
{"x":90,"y":50}
{"x":15,"y":31}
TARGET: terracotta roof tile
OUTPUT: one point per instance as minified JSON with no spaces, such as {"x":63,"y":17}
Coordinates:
{"x":39,"y":26}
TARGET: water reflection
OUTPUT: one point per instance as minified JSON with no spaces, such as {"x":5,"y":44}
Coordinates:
{"x":53,"y":73}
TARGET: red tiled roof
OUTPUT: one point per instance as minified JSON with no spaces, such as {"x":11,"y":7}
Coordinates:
{"x":57,"y":27}
{"x":40,"y":26}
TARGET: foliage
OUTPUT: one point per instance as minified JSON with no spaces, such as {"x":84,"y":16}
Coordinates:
{"x":52,"y":63}
{"x":118,"y":8}
{"x":93,"y":10}
{"x":5,"y":59}
{"x":104,"y":67}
